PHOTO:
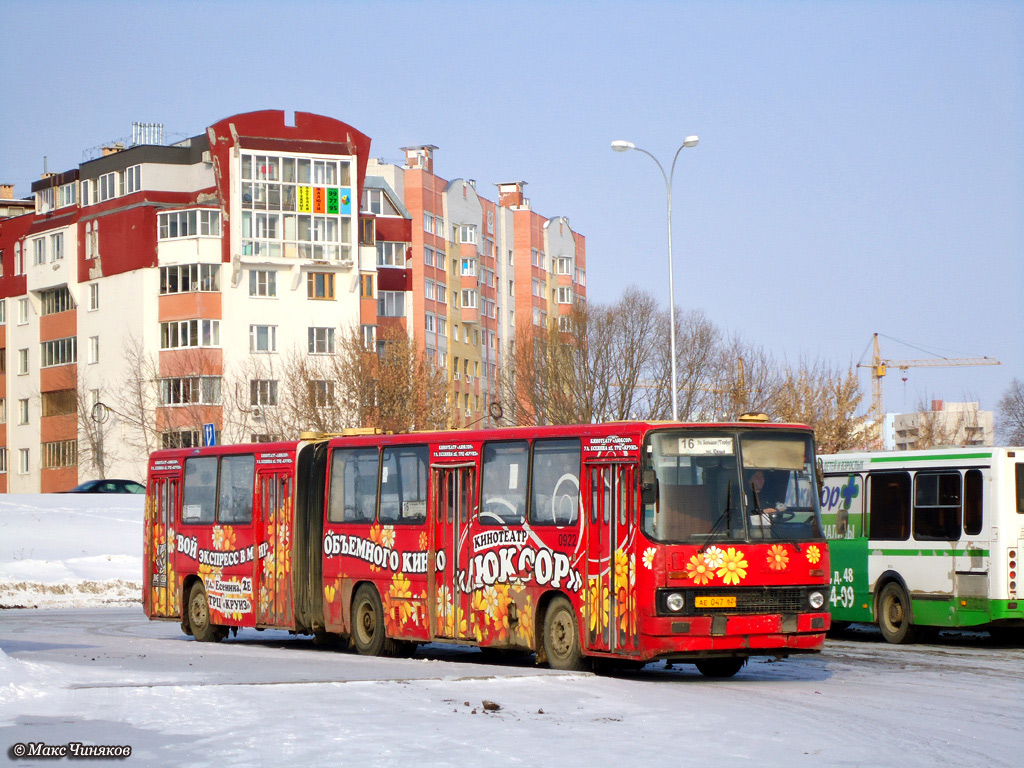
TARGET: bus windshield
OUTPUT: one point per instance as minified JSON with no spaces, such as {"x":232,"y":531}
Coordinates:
{"x":732,"y":485}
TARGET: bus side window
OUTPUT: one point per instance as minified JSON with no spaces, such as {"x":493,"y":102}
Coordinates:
{"x":403,"y":485}
{"x":1019,"y":470}
{"x":237,"y":476}
{"x":200,"y":497}
{"x":937,"y":506}
{"x":353,"y":495}
{"x":889,"y":494}
{"x":973,"y":497}
{"x":503,"y":497}
{"x":555,"y":482}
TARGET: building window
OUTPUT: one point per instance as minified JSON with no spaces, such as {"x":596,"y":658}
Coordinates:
{"x":190,"y":390}
{"x":428,"y":256}
{"x":297,"y":207}
{"x":367,"y":231}
{"x":263,"y":392}
{"x":94,"y":350}
{"x":63,"y":453}
{"x":565,"y":295}
{"x":469,"y":267}
{"x":19,"y":264}
{"x":23,"y":411}
{"x":39,"y":251}
{"x":366,"y":286}
{"x":390,"y":254}
{"x":442,"y":293}
{"x":466,"y":233}
{"x":537,"y":289}
{"x":57,"y":246}
{"x":108,"y":186}
{"x":321,"y":341}
{"x":564,"y":266}
{"x":183,"y":438}
{"x":59,"y":402}
{"x":94,"y":296}
{"x":188,"y":278}
{"x":22,"y":311}
{"x":369,"y":337}
{"x":321,"y":393}
{"x":55,"y":300}
{"x":429,"y":289}
{"x":469,"y":299}
{"x":180,"y":334}
{"x":391,"y":303}
{"x":3,"y":410}
{"x":3,"y":461}
{"x":428,"y":223}
{"x":199,"y":222}
{"x":439,"y":229}
{"x":59,"y":352}
{"x":263,"y":283}
{"x":133,"y":179}
{"x":3,"y":311}
{"x":22,"y":361}
{"x":263,"y":338}
{"x":320,"y":285}
{"x":23,"y":463}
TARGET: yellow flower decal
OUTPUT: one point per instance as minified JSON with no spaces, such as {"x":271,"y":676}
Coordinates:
{"x":621,"y":569}
{"x":597,"y":599}
{"x":813,"y":554}
{"x":778,"y":558}
{"x":648,"y":558}
{"x":223,"y":537}
{"x":698,"y":570}
{"x":424,"y":542}
{"x":387,"y":536}
{"x":733,"y":566}
{"x":714,"y":557}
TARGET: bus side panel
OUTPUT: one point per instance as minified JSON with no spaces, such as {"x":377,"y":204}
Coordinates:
{"x":161,"y":583}
{"x":273,"y":569}
{"x":842,"y":514}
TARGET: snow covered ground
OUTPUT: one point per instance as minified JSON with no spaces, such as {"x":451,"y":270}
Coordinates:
{"x":66,"y":549}
{"x":85,"y":670}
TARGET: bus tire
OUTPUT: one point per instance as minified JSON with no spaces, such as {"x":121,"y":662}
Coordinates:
{"x":562,"y":637}
{"x":369,"y":633}
{"x":720,"y":668}
{"x":203,"y":630}
{"x":894,"y":615}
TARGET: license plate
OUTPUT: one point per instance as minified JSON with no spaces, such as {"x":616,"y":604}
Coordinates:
{"x":717,"y":601}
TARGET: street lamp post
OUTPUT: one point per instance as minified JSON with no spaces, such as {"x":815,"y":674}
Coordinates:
{"x":689,"y":141}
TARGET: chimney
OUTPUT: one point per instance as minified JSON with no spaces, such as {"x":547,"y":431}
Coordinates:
{"x":510,"y":195}
{"x":420,"y":157}
{"x":117,"y":146}
{"x":936,"y":405}
{"x":6,"y":191}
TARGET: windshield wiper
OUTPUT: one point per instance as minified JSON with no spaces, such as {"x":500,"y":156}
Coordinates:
{"x":726,"y":516}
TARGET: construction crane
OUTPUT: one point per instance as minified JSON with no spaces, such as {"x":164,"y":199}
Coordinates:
{"x":879,"y":364}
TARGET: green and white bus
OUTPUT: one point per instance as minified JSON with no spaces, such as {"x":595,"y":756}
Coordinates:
{"x":925,"y":540}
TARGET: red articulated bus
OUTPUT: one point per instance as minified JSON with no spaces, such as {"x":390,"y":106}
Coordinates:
{"x":625,"y":542}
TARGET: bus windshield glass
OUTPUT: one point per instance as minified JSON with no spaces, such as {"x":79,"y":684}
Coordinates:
{"x":732,"y":485}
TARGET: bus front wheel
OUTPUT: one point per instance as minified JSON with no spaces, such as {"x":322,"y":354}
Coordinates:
{"x":561,"y":637}
{"x":199,"y":622}
{"x":894,"y":615}
{"x":369,"y":633}
{"x":719,"y":667}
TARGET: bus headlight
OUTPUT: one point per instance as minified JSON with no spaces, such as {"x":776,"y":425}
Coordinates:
{"x":675,"y":602}
{"x":816,"y":599}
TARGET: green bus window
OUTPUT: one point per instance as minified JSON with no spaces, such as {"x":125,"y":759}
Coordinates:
{"x":937,"y":506}
{"x":889,"y":494}
{"x":973,"y":490}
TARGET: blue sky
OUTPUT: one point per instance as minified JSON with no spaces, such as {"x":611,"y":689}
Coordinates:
{"x":860,"y":165}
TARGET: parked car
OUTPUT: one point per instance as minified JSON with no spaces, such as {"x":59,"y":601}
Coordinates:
{"x":108,"y":486}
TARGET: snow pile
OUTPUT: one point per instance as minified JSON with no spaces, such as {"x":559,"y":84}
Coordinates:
{"x":64,"y":550}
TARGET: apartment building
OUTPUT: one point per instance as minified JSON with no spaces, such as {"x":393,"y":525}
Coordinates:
{"x":156,"y":291}
{"x":943,"y":424}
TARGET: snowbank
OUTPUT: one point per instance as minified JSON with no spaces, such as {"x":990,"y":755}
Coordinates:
{"x":63,"y":550}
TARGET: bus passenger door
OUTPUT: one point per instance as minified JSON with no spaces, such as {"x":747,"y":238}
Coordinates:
{"x":610,"y":596}
{"x":272,"y":577}
{"x":162,"y":578}
{"x":453,"y":502}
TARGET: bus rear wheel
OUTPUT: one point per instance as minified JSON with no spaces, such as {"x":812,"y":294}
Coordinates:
{"x":199,"y":622}
{"x":894,"y":615}
{"x":561,"y":637}
{"x":369,"y":633}
{"x":719,"y":668}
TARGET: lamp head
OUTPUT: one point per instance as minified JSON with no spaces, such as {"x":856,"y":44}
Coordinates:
{"x":690,"y":141}
{"x":622,"y":146}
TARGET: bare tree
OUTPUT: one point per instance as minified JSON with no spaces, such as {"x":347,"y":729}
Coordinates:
{"x":934,"y":427}
{"x":135,"y":401}
{"x":1010,"y":411}
{"x":824,"y":397}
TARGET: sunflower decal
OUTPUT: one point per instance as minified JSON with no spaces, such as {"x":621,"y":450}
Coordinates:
{"x":698,"y":570}
{"x":734,"y":567}
{"x":813,"y":554}
{"x":778,"y":557}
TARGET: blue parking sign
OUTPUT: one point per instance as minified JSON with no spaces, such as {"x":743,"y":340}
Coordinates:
{"x":209,"y":435}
